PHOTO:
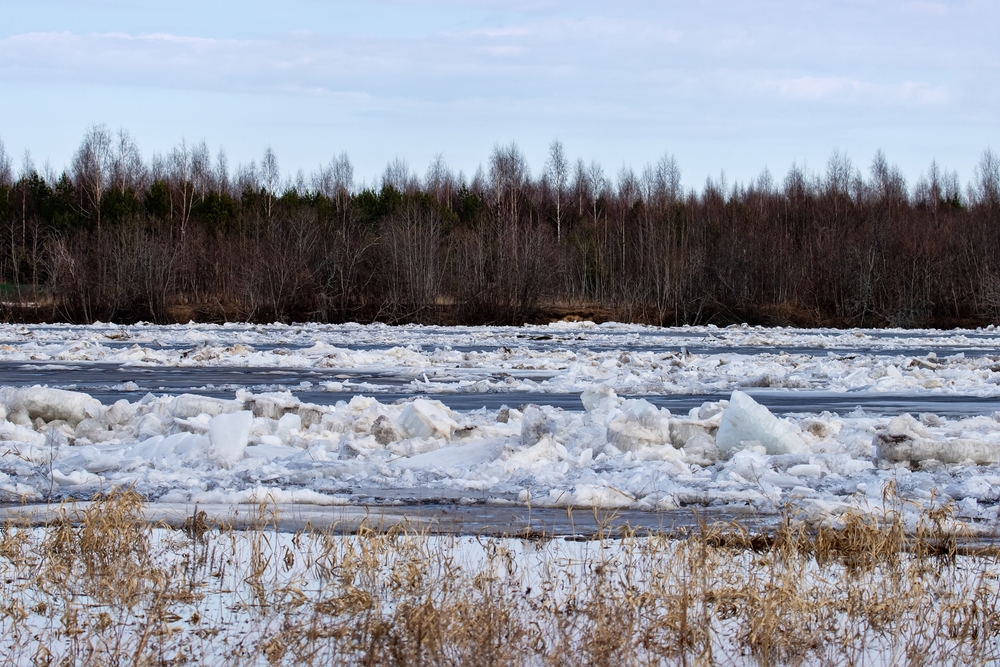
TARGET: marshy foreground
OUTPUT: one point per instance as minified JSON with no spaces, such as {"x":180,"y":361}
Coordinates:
{"x":99,"y":585}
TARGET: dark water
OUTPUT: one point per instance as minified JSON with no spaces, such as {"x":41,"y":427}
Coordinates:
{"x":442,"y":518}
{"x":522,"y":522}
{"x":941,"y":351}
{"x":463,"y":519}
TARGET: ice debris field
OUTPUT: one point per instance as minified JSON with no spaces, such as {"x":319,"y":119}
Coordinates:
{"x":570,"y":414}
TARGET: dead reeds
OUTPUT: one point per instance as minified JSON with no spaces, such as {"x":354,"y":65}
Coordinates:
{"x":102,"y":586}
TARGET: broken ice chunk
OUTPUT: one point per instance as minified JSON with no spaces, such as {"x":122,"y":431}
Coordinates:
{"x":93,"y":430}
{"x":897,"y":449}
{"x":184,"y":446}
{"x":386,"y":431}
{"x":272,"y":405}
{"x":186,"y":406}
{"x":701,"y":449}
{"x":745,"y":420}
{"x":805,"y":470}
{"x":121,"y":412}
{"x":683,"y":431}
{"x":639,"y":424}
{"x":288,"y":425}
{"x":229,"y":434}
{"x":51,"y":404}
{"x":414,"y":446}
{"x":74,"y":478}
{"x":427,"y":419}
{"x":906,"y":440}
{"x":535,"y":424}
{"x":599,"y":398}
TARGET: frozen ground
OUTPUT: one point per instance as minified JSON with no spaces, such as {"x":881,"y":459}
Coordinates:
{"x":562,"y":415}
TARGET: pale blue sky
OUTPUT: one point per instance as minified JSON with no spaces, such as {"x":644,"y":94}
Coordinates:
{"x":720,"y":84}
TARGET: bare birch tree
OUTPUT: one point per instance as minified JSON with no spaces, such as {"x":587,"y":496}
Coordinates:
{"x":28,"y":173}
{"x":629,"y":193}
{"x":598,"y":183}
{"x":440,"y":182}
{"x":271,"y":177}
{"x":6,"y":184}
{"x":247,"y":178}
{"x":127,"y":167}
{"x":986,"y":187}
{"x":557,"y":170}
{"x":180,"y":176}
{"x":397,"y":175}
{"x":335,"y":181}
{"x":92,"y":167}
{"x":581,"y":185}
{"x":201,"y":169}
{"x":508,"y":173}
{"x":222,"y":172}
{"x":6,"y":168}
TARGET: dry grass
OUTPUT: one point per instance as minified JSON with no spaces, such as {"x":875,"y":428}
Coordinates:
{"x":102,"y":587}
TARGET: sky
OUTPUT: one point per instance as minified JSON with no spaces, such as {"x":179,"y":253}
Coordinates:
{"x":723,"y":85}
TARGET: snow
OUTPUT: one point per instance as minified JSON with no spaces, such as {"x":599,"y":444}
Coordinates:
{"x":369,"y":432}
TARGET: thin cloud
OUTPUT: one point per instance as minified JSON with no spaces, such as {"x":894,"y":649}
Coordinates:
{"x":838,"y":89}
{"x":520,"y":60}
{"x":437,"y":75}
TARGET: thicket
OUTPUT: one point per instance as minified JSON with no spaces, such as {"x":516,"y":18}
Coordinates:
{"x":115,"y":237}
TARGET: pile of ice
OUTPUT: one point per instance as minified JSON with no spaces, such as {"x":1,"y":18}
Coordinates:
{"x":619,"y":452}
{"x":606,"y":335}
{"x":907,"y":440}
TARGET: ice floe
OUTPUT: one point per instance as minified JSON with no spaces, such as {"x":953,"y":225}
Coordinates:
{"x":613,"y":449}
{"x":562,"y":357}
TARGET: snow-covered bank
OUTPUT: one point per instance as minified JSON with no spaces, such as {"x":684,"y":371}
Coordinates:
{"x":101,"y":584}
{"x":618,"y":452}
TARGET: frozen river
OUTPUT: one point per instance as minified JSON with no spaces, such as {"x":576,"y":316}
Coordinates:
{"x":111,"y":382}
{"x":567,"y":415}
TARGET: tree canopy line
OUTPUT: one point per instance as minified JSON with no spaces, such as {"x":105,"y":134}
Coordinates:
{"x":181,"y":236}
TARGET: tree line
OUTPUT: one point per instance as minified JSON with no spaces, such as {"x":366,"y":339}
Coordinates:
{"x":116,"y":237}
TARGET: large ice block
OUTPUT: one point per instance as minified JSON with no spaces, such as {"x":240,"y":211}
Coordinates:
{"x":229,"y":434}
{"x":746,"y":421}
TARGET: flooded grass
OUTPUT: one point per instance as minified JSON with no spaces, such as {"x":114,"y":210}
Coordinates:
{"x":101,"y":586}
